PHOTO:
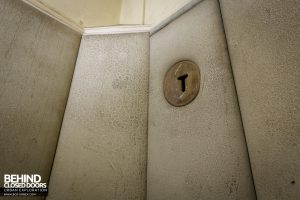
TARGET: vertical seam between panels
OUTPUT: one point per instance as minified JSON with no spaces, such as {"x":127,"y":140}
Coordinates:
{"x":238,"y":101}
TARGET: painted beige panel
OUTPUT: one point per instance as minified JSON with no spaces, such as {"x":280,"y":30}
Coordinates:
{"x":80,"y":14}
{"x":85,"y":13}
{"x":102,"y":148}
{"x":132,"y":12}
{"x":37,"y":59}
{"x":157,"y":10}
{"x":197,"y":151}
{"x":100,"y":13}
{"x":263,"y":37}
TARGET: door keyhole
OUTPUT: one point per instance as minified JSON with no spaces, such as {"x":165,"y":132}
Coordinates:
{"x":181,"y":84}
{"x":182,"y":79}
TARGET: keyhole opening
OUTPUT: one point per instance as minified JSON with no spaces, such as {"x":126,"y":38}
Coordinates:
{"x":182,"y":79}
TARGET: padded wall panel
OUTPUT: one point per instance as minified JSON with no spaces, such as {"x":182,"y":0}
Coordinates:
{"x":102,"y":149}
{"x":37,"y":59}
{"x":263,"y":40}
{"x":197,"y":151}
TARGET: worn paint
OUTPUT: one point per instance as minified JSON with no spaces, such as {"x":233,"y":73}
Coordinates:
{"x":37,"y":59}
{"x":263,"y":40}
{"x":102,"y":149}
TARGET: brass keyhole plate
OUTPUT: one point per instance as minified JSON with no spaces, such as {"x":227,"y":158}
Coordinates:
{"x":182,"y":83}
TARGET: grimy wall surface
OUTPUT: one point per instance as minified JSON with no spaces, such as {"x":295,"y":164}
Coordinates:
{"x":102,"y":148}
{"x":263,"y":39}
{"x":197,"y":151}
{"x":37,"y":59}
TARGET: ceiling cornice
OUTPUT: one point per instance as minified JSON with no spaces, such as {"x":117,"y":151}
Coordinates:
{"x":46,"y":9}
{"x":188,"y":6}
{"x":117,"y":30}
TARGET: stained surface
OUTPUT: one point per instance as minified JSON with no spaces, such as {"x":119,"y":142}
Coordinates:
{"x":197,"y":151}
{"x":102,"y":148}
{"x":37,"y":59}
{"x":263,"y":39}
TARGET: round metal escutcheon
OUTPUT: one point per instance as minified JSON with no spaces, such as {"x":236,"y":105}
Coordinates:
{"x":182,"y":83}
